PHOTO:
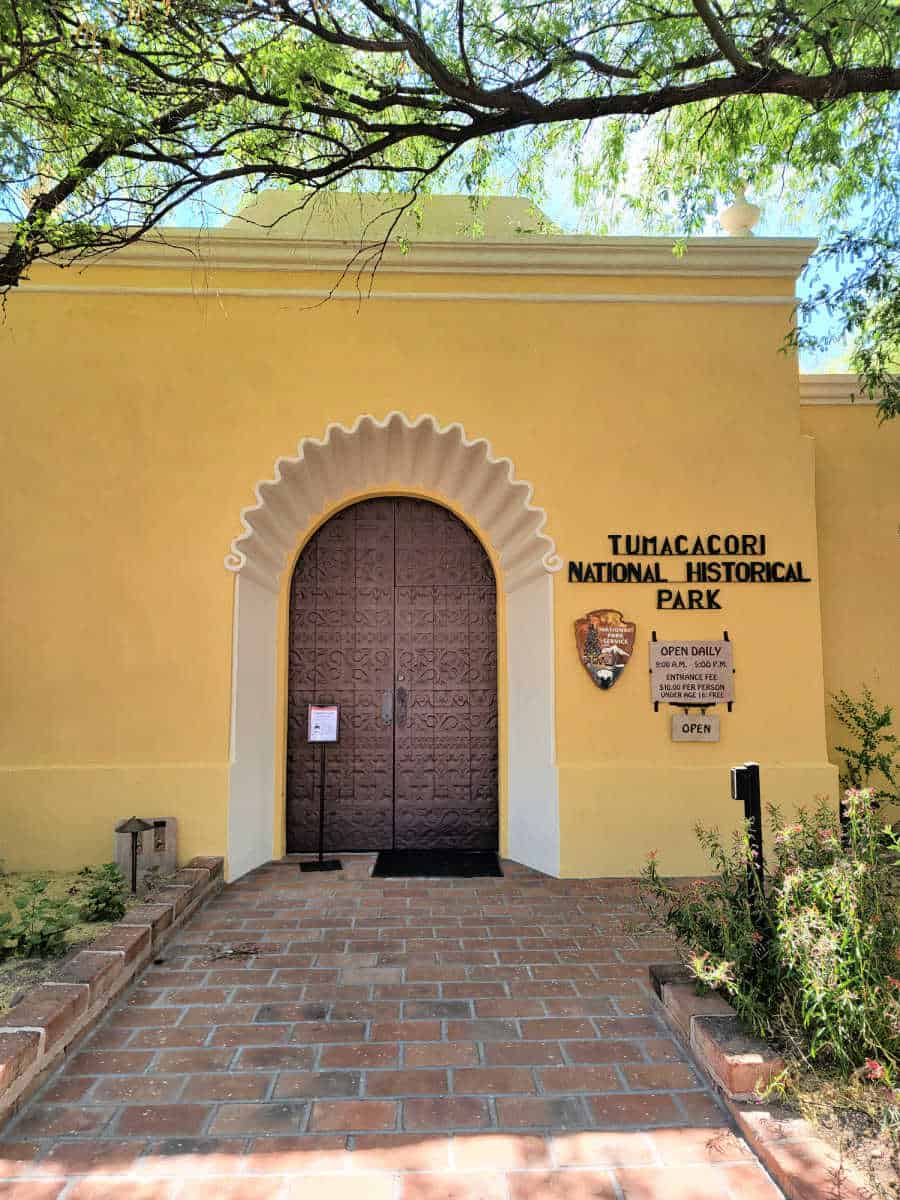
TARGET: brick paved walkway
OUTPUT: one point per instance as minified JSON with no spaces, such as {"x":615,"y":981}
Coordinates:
{"x":410,"y":1040}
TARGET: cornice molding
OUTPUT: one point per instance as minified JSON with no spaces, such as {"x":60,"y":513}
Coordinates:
{"x":488,"y":296}
{"x":233,"y":250}
{"x":832,"y":389}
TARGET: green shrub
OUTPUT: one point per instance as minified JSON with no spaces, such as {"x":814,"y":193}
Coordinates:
{"x":837,"y":936}
{"x":870,"y":763}
{"x":812,"y":961}
{"x":713,"y":920}
{"x":38,"y":927}
{"x":103,"y":898}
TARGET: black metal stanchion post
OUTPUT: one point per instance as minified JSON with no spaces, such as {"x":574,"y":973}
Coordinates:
{"x":753,"y":815}
{"x":745,"y":787}
{"x":321,"y":803}
{"x":844,"y":819}
{"x":322,"y":863}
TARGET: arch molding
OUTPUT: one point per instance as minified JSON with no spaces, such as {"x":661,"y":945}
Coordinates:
{"x":378,"y":457}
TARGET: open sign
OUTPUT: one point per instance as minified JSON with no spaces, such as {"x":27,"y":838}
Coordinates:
{"x":689,"y":728}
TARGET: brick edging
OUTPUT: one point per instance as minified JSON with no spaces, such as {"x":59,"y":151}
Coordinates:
{"x":801,"y":1162}
{"x":36,"y":1033}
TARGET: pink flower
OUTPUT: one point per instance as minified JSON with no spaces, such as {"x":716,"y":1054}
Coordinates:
{"x":785,"y":834}
{"x":652,"y":855}
{"x":874,"y":1070}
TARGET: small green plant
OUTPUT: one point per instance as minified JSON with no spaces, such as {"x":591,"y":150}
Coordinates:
{"x":154,"y":879}
{"x":38,"y":927}
{"x":871,"y":763}
{"x":103,"y":898}
{"x":812,"y":958}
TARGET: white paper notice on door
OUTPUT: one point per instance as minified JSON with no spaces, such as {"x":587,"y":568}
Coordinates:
{"x":323,"y":722}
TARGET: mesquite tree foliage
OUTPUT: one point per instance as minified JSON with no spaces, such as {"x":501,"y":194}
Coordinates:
{"x":113,"y":113}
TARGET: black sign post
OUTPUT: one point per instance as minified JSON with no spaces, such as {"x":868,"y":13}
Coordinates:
{"x":323,"y":723}
{"x":745,"y":787}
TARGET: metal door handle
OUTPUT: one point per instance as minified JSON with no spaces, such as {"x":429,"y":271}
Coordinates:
{"x":401,"y":705}
{"x":387,"y":707}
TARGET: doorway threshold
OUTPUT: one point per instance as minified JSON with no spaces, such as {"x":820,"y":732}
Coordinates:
{"x":437,"y":864}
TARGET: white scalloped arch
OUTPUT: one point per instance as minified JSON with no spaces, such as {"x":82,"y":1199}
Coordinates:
{"x":395,"y":454}
{"x":375,"y":455}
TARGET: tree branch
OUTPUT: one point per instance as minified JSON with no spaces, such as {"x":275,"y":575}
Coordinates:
{"x":722,"y":39}
{"x":25,"y":247}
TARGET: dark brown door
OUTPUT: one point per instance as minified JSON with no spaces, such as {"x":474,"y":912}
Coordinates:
{"x":393,"y":616}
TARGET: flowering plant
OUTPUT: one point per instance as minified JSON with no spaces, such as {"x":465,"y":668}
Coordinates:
{"x":809,"y":958}
{"x":716,"y":922}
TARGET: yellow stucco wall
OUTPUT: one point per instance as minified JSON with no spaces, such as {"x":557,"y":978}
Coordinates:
{"x":140,"y":423}
{"x":858,"y":502}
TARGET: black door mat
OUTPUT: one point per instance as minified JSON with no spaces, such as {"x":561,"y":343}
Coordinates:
{"x":444,"y":864}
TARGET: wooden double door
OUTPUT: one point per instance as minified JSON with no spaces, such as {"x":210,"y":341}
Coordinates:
{"x":393,"y":616}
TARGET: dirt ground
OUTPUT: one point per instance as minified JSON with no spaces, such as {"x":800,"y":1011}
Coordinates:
{"x":861,"y":1120}
{"x":17,"y":975}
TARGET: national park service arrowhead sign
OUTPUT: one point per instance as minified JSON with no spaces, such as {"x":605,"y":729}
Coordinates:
{"x":605,"y":642}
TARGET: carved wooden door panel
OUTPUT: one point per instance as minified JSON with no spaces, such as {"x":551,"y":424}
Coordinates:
{"x":393,"y":616}
{"x":342,"y":652}
{"x":445,"y":734}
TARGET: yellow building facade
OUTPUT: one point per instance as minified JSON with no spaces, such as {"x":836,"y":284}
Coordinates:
{"x":182,"y":417}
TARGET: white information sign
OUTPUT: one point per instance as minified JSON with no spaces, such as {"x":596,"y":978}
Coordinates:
{"x":691,"y":672}
{"x":323,"y":722}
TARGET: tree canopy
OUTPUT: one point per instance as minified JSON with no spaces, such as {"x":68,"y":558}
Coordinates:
{"x":114,"y":114}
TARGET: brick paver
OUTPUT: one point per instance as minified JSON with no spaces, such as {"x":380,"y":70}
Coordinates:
{"x":346,"y":1037}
